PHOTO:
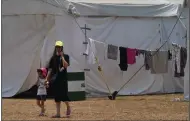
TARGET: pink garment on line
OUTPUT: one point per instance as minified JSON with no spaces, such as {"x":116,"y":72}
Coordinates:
{"x":131,"y":53}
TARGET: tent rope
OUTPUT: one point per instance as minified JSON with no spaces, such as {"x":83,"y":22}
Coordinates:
{"x":102,"y":75}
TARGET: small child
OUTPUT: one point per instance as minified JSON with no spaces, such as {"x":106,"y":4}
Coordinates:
{"x":41,"y":92}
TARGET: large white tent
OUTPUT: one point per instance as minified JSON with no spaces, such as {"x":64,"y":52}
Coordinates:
{"x":31,"y":27}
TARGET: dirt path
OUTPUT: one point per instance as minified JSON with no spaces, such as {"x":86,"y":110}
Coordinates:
{"x":124,"y":108}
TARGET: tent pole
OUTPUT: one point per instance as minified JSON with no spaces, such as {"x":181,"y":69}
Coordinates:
{"x":85,"y":42}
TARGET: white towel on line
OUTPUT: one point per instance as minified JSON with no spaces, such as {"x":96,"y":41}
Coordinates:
{"x":91,"y":51}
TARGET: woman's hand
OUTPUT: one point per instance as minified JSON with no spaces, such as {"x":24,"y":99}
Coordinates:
{"x":65,"y":64}
{"x":47,"y":78}
{"x":62,"y":56}
{"x":47,"y":83}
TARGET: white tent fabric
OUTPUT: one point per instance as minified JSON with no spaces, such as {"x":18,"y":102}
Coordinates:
{"x":145,"y":8}
{"x":32,"y":7}
{"x":29,"y":33}
{"x":22,"y":39}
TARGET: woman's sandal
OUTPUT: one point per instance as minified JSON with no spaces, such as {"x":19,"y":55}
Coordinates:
{"x":43,"y":110}
{"x":68,"y":113}
{"x":56,"y":116}
{"x":41,"y":114}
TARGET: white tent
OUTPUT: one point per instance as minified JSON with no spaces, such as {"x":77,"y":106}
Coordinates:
{"x":31,"y":27}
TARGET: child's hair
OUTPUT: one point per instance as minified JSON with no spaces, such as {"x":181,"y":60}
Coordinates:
{"x":43,"y":71}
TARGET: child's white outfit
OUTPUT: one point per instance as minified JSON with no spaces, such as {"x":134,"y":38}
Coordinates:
{"x":41,"y":92}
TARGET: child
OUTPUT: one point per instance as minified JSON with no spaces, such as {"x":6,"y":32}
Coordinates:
{"x":41,"y":92}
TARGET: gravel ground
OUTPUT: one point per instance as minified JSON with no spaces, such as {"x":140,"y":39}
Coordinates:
{"x":159,"y":107}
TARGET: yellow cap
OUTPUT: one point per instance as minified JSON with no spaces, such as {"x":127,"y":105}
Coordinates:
{"x":59,"y":43}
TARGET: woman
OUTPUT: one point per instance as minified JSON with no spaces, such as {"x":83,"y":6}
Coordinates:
{"x":58,"y":68}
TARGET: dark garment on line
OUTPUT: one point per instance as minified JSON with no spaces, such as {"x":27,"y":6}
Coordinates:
{"x":123,"y":67}
{"x":137,"y":52}
{"x":60,"y":84}
{"x":183,"y":55}
{"x":169,"y":55}
{"x":182,"y":73}
{"x":123,"y":55}
{"x":112,"y":52}
{"x":141,"y":52}
{"x":183,"y":60}
{"x":147,"y":60}
{"x":123,"y":59}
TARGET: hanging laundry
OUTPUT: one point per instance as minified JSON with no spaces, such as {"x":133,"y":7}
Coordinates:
{"x":159,"y":62}
{"x":112,"y":52}
{"x":123,"y":59}
{"x":176,"y":74}
{"x":183,"y":54}
{"x":176,"y":58}
{"x":91,"y":52}
{"x":131,"y":55}
{"x":147,"y":60}
{"x":137,"y":53}
{"x":169,"y":55}
{"x":183,"y":60}
{"x":141,"y":52}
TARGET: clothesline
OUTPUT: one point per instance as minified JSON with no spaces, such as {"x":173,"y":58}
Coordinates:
{"x":183,"y":24}
{"x":128,"y":47}
{"x":97,"y":41}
